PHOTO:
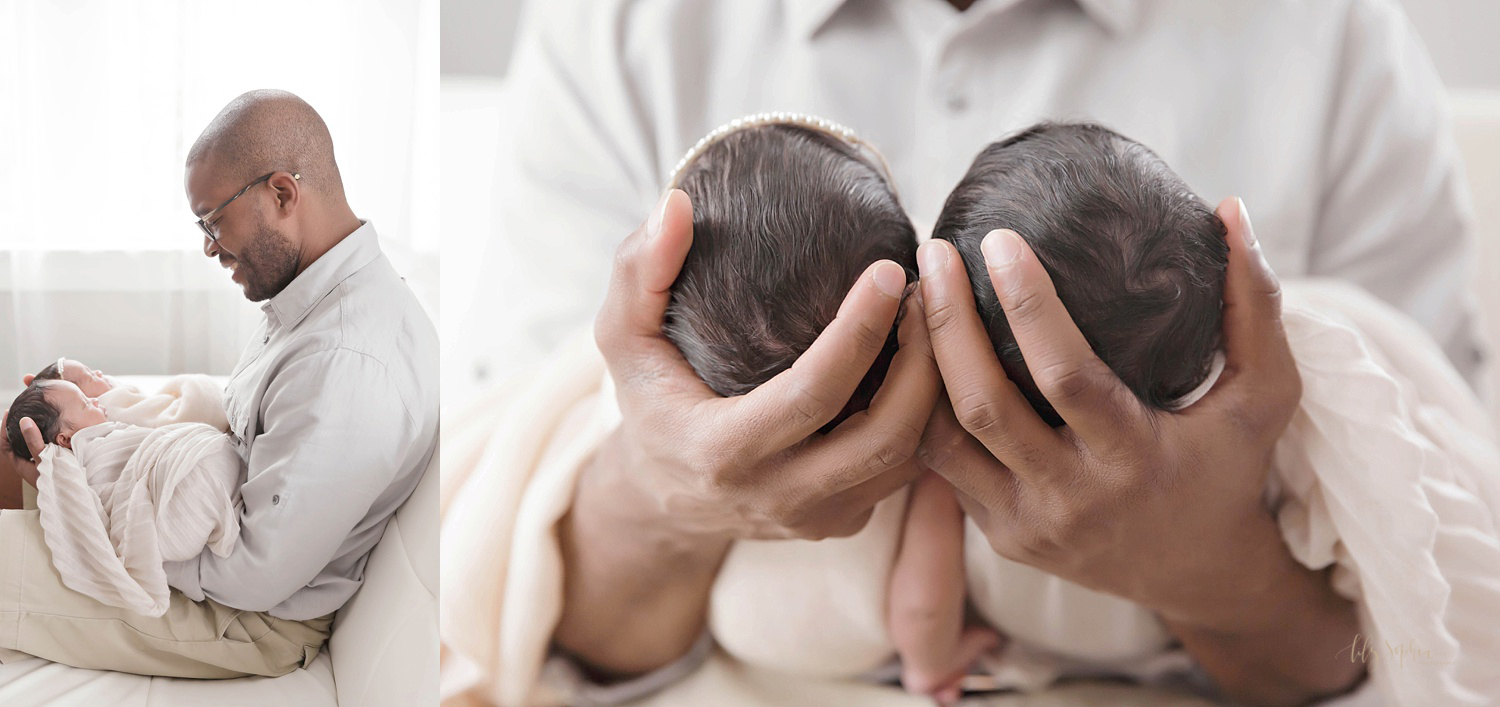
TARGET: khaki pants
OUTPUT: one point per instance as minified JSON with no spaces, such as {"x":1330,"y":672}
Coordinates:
{"x":41,"y":617}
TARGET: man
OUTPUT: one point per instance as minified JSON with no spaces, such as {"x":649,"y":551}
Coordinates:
{"x":1326,"y":116}
{"x":333,"y":407}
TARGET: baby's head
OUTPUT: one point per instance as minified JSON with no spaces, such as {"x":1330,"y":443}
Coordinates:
{"x":89,"y":380}
{"x":1137,"y":258}
{"x":59,"y":410}
{"x":785,"y":219}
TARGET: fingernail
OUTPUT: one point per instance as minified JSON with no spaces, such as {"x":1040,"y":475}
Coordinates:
{"x":931,"y":258}
{"x":1246,"y":230}
{"x":1001,"y":248}
{"x":658,"y":214}
{"x":890,"y":279}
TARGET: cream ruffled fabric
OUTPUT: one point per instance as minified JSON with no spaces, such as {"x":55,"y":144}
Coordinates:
{"x":190,"y":397}
{"x":127,"y":499}
{"x":1389,"y":473}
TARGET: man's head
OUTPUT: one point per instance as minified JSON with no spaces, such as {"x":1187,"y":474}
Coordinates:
{"x":785,"y":219}
{"x":59,"y":410}
{"x":275,"y":228}
{"x":1137,"y":258}
{"x":89,"y":380}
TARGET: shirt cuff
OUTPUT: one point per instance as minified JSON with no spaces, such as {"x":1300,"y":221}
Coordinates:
{"x":563,"y":674}
{"x":183,"y":576}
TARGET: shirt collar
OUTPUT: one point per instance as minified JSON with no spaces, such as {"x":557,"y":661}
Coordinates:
{"x":345,"y":258}
{"x":809,"y":16}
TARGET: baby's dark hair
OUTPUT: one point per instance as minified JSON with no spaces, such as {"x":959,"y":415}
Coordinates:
{"x":1137,"y":258}
{"x":50,"y":373}
{"x":785,"y":219}
{"x":32,"y":403}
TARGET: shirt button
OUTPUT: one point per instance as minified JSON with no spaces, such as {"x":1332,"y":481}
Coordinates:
{"x":266,"y":340}
{"x":276,"y":500}
{"x":957,"y":103}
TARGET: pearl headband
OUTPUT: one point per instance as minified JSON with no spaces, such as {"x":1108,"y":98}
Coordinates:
{"x":801,"y":120}
{"x":1215,"y":369}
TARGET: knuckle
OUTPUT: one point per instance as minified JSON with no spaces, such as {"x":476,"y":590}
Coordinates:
{"x":809,"y":406}
{"x":717,"y":469}
{"x":1039,"y":540}
{"x":867,"y":336}
{"x":978,"y":413}
{"x":624,"y":260}
{"x":890,"y":453}
{"x":941,"y":316}
{"x":606,"y":336}
{"x":846,"y":527}
{"x":1006,"y":545}
{"x":1270,"y":284}
{"x":897,"y":443}
{"x":792,"y":514}
{"x":1024,"y":305}
{"x":1064,"y":383}
{"x":1067,"y":527}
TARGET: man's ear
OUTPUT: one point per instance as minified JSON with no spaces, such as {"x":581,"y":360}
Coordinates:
{"x":28,"y":378}
{"x":287,"y":189}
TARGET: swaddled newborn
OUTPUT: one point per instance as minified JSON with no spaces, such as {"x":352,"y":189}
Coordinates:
{"x":118,"y":500}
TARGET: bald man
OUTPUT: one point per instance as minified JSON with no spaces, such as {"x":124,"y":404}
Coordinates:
{"x":333,"y":409}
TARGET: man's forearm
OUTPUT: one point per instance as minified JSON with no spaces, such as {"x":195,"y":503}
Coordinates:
{"x":635,"y":593}
{"x":1288,"y":642}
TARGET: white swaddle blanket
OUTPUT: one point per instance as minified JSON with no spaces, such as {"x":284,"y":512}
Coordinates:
{"x":1390,"y":474}
{"x":126,"y":499}
{"x":191,"y":397}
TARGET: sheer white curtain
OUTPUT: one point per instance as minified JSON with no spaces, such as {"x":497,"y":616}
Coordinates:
{"x":100,"y":101}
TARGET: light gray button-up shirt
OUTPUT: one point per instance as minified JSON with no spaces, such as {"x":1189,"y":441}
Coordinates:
{"x":334,"y":408}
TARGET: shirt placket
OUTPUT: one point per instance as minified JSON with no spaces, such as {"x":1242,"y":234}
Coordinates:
{"x":944,"y":105}
{"x":250,"y":369}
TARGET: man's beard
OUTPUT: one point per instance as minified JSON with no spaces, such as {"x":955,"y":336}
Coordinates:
{"x":268,"y":263}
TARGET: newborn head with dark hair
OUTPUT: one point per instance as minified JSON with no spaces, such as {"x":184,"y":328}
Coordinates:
{"x":785,"y":219}
{"x":1137,"y":258}
{"x":59,"y":410}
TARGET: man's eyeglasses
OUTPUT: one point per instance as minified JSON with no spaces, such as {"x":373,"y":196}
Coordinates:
{"x":206,"y":224}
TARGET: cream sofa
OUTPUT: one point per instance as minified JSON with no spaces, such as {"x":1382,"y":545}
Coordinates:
{"x":384,"y":650}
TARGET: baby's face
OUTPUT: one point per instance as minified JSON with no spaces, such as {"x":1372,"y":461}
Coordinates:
{"x":89,"y":380}
{"x":75,"y":411}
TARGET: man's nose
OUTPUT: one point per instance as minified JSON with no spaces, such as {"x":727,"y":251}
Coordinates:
{"x":210,"y":248}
